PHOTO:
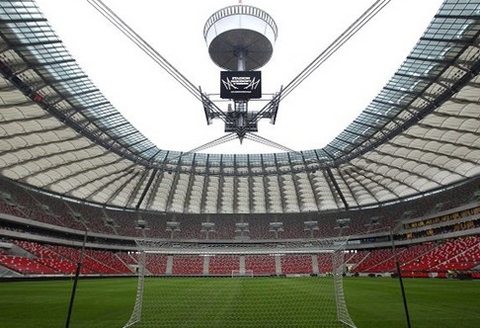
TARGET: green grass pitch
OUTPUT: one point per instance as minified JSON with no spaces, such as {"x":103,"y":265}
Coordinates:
{"x":108,"y":303}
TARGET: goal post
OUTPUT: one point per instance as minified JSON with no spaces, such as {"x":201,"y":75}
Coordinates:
{"x":242,"y":273}
{"x":273,"y":299}
{"x":137,"y":309}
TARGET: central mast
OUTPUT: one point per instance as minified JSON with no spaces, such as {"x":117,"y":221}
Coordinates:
{"x":240,"y":40}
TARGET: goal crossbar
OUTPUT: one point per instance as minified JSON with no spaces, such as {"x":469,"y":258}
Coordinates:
{"x":304,"y":247}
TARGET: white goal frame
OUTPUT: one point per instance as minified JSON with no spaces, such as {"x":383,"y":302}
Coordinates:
{"x":242,"y":273}
{"x":335,"y":247}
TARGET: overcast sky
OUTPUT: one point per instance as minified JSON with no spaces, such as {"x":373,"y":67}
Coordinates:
{"x":308,"y":118}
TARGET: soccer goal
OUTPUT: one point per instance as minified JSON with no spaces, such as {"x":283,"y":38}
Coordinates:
{"x":242,"y":273}
{"x":294,"y":284}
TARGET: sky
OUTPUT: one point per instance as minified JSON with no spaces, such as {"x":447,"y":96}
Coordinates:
{"x":308,"y":118}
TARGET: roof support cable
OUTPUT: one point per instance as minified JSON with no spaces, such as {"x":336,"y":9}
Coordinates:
{"x":227,"y":138}
{"x":224,"y":139}
{"x":142,"y":44}
{"x":337,"y":187}
{"x":267,"y":142}
{"x":371,"y":12}
{"x":146,"y":189}
{"x":123,"y":27}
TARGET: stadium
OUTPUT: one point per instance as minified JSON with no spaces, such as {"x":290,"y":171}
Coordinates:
{"x":101,"y":227}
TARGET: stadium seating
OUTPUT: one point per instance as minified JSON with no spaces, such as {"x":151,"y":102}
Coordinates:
{"x":24,"y":265}
{"x":79,"y":216}
{"x":260,"y":264}
{"x":297,"y":264}
{"x":156,"y":264}
{"x":325,"y":264}
{"x":110,"y":260}
{"x":187,"y":265}
{"x":459,"y":254}
{"x":223,"y":264}
{"x":433,"y":217}
{"x":92,"y":264}
{"x":127,"y":258}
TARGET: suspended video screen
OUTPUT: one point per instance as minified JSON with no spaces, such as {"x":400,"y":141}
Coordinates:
{"x":240,"y":85}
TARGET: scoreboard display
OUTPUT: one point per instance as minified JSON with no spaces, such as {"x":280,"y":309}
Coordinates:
{"x":240,"y":85}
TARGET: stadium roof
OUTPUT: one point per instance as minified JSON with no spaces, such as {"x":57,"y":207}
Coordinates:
{"x":61,"y":135}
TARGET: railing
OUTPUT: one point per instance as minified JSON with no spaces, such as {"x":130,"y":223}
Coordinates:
{"x":240,"y":10}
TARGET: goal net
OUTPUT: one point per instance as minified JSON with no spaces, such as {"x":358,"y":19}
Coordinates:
{"x":294,"y":284}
